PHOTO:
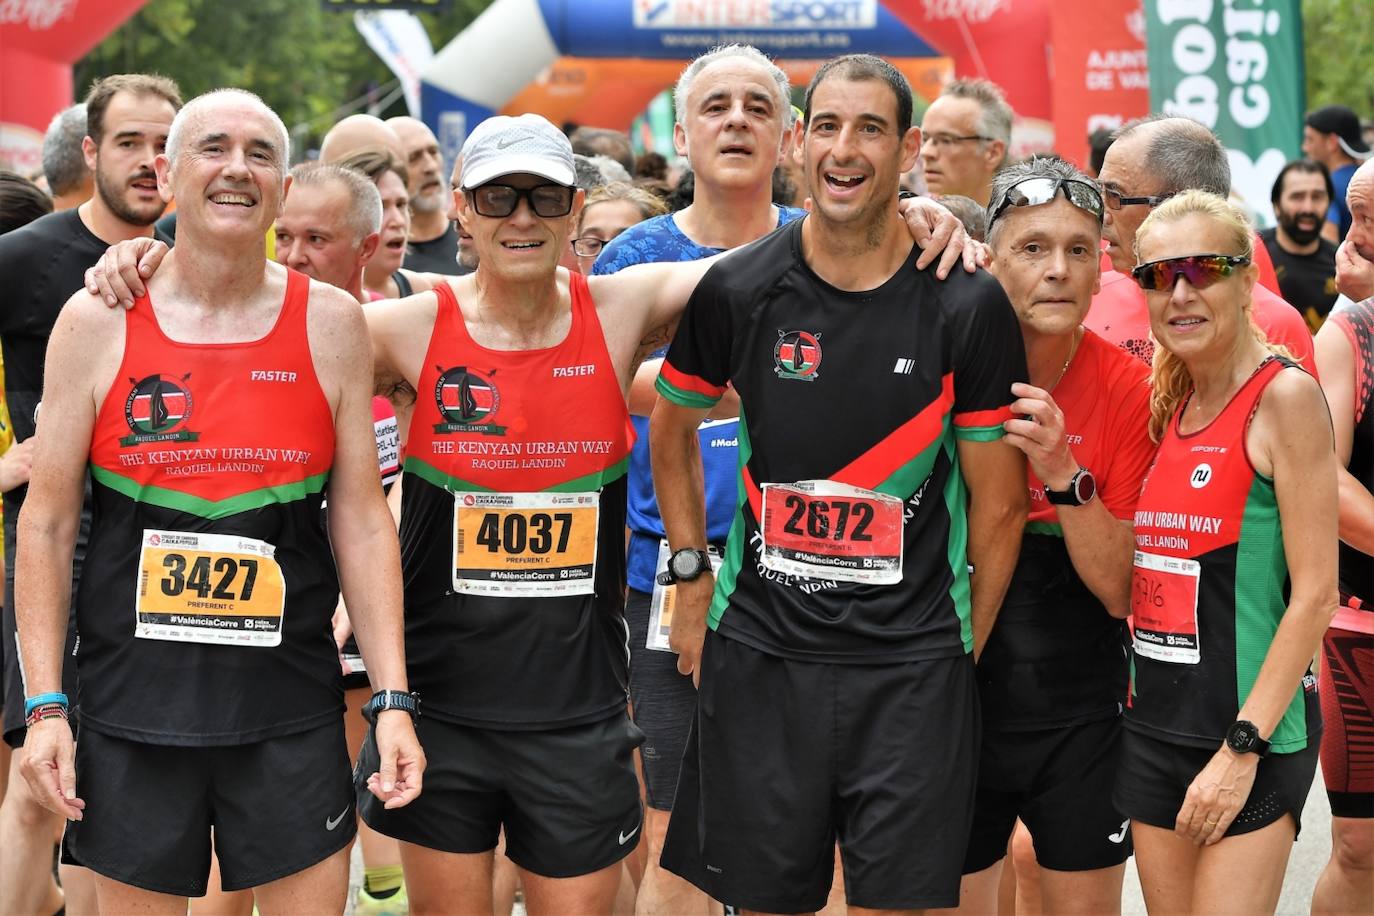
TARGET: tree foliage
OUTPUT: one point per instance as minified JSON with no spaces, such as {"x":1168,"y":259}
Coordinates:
{"x":1339,"y":48}
{"x":305,"y":61}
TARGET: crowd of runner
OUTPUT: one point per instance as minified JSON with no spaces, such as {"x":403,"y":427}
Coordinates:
{"x":851,"y":518}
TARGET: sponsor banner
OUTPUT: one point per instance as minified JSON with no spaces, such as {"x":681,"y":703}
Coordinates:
{"x":400,"y":40}
{"x":1238,"y":70}
{"x":682,"y":29}
{"x":1101,"y":74}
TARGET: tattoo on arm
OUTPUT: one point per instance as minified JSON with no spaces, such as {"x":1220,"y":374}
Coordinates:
{"x":656,"y":339}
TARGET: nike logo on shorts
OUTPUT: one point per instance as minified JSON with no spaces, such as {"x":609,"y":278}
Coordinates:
{"x":332,"y":822}
{"x":625,"y":837}
{"x":1120,"y":836}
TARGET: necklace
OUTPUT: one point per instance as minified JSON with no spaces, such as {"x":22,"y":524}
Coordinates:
{"x":1073,"y":348}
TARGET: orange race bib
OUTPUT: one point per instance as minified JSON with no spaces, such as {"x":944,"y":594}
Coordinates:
{"x":525,"y":544}
{"x":1164,"y":608}
{"x":819,"y":529}
{"x":208,"y":588}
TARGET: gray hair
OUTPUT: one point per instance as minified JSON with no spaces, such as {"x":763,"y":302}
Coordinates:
{"x":1181,"y":154}
{"x":597,"y":171}
{"x":1035,"y":167}
{"x":996,"y":117}
{"x":176,"y":135}
{"x":364,"y":200}
{"x":745,"y":52}
{"x":64,"y":164}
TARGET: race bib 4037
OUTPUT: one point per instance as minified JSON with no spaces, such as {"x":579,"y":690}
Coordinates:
{"x":525,"y":544}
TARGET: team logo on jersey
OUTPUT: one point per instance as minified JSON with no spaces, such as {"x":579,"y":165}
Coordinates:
{"x":797,"y":355}
{"x":1201,"y":476}
{"x":466,"y":400}
{"x":157,"y":409}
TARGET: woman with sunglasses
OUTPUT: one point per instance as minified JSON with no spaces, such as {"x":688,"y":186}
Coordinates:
{"x":1234,"y":583}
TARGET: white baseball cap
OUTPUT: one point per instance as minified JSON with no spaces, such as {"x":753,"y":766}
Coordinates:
{"x":529,"y":144}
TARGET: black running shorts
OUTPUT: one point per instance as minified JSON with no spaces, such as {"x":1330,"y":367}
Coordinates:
{"x":786,"y":757}
{"x":1059,"y":782}
{"x":1155,"y":775}
{"x":568,"y":798}
{"x":276,"y":806}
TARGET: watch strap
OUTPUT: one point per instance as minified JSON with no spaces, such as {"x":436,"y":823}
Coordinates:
{"x":383,"y":700}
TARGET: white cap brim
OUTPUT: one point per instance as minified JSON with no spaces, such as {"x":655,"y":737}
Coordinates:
{"x":518,"y":164}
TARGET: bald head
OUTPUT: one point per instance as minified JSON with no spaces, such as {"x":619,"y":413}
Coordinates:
{"x":424,"y":163}
{"x":1179,"y":154}
{"x":358,"y":132}
{"x":1359,"y":197}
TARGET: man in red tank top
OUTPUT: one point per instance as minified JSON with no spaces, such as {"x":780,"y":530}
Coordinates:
{"x":1149,"y":161}
{"x":215,"y":416}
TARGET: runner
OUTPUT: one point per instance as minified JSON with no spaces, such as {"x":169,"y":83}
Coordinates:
{"x":1052,"y":679}
{"x":128,"y":116}
{"x":1234,"y":584}
{"x":1345,"y":350}
{"x":845,"y":597}
{"x":217,"y":704}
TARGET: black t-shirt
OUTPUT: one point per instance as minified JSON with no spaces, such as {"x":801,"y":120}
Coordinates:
{"x":436,"y":256}
{"x":868,"y":390}
{"x":1307,"y":281}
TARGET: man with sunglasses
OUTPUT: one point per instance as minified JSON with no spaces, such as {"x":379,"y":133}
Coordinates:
{"x":1052,"y":677}
{"x":1149,"y":161}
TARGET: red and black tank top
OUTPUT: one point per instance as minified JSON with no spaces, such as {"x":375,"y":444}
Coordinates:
{"x":1211,"y":583}
{"x":513,"y":527}
{"x":204,"y":608}
{"x":1356,"y":319}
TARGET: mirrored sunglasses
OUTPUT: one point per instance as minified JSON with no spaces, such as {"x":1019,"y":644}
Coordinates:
{"x":1200,"y":270}
{"x":1033,"y":192}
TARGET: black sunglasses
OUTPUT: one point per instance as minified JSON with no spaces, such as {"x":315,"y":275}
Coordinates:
{"x":500,"y":200}
{"x":1034,"y":192}
{"x":1115,"y":201}
{"x":1200,"y":270}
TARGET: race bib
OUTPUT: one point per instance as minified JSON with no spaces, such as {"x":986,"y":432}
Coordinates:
{"x":665,"y":598}
{"x":819,"y":529}
{"x":208,"y":588}
{"x":1164,"y":608}
{"x":528,"y":545}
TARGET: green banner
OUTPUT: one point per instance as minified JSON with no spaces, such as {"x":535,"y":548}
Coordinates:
{"x":1237,"y":67}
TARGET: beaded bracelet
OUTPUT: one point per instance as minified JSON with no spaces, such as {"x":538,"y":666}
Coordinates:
{"x":45,"y":711}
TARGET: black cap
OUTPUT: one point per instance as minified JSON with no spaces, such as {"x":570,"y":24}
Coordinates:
{"x":1341,"y":121}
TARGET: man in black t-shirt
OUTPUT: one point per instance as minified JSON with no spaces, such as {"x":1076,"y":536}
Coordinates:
{"x":128,"y":117}
{"x":836,"y":692}
{"x":1304,"y":261}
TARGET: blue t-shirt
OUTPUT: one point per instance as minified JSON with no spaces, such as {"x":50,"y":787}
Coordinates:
{"x":1339,"y":213}
{"x":654,"y":241}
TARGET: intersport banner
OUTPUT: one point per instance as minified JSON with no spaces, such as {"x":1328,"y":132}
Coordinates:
{"x":1237,"y":67}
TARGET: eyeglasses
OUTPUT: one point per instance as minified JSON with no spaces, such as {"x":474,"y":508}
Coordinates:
{"x":588,"y":246}
{"x":1115,"y":201}
{"x":1034,"y":192}
{"x":1200,"y":270}
{"x":500,"y":200}
{"x":945,"y":141}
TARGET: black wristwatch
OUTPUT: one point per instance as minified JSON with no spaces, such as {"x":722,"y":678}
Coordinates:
{"x":1082,"y":489}
{"x":684,"y":566}
{"x":1243,"y":738}
{"x":383,"y":700}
